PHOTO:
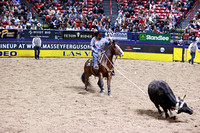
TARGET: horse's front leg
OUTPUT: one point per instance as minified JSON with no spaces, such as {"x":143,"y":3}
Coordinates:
{"x":100,"y":83}
{"x":109,"y":82}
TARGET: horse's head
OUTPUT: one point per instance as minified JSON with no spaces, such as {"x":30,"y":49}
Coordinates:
{"x":117,"y":49}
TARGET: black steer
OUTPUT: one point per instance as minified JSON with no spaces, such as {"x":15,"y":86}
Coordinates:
{"x":161,"y":94}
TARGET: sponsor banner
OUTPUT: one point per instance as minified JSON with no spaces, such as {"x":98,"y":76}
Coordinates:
{"x":5,"y":33}
{"x":148,"y":49}
{"x":77,"y":35}
{"x":154,"y":37}
{"x":148,"y":56}
{"x":46,"y":53}
{"x":43,"y":34}
{"x":84,"y":54}
{"x":46,"y":46}
{"x":118,"y":35}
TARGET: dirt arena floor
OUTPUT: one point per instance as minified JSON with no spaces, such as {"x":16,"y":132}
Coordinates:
{"x":47,"y":96}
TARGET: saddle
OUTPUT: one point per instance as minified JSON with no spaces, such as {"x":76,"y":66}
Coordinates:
{"x":100,"y":57}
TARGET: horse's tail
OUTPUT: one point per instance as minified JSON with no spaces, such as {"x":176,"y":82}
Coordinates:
{"x":83,"y":79}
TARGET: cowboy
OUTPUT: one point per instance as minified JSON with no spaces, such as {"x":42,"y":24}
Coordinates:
{"x":97,"y":46}
{"x":36,"y":42}
{"x":192,"y":48}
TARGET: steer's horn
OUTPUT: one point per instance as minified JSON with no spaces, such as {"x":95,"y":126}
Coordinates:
{"x":179,"y":98}
{"x":183,"y":97}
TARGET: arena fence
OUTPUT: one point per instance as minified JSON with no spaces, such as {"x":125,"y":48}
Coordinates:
{"x":159,"y":47}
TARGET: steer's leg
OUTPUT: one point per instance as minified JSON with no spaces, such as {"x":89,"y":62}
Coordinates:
{"x":166,"y":114}
{"x":157,"y":106}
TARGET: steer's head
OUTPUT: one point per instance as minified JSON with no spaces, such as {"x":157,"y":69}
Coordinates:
{"x":181,"y":106}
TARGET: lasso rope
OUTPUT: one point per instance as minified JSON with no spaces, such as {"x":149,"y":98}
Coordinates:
{"x":111,"y":35}
{"x":126,"y":77}
{"x":194,"y":100}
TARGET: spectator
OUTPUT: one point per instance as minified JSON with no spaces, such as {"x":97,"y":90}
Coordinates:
{"x":101,"y":28}
{"x":149,"y":29}
{"x":29,"y":14}
{"x":154,"y":30}
{"x":33,"y":27}
{"x":81,"y":28}
{"x":17,"y":2}
{"x":75,"y":28}
{"x":166,"y":28}
{"x":124,"y":29}
{"x":95,"y":10}
{"x":16,"y":20}
{"x":7,"y":18}
{"x":140,"y":3}
{"x":159,"y":28}
{"x":10,"y":26}
{"x":68,"y":27}
{"x":89,"y":15}
{"x":51,"y":12}
{"x":152,"y":6}
{"x":1,"y":26}
{"x":136,"y":28}
{"x":28,"y":26}
{"x":130,"y":29}
{"x":39,"y":26}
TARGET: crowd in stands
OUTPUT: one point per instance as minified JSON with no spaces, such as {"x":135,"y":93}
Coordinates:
{"x":84,"y":15}
{"x":151,"y":16}
{"x":15,"y":15}
{"x":192,"y":29}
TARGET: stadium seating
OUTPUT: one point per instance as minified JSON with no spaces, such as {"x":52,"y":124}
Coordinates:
{"x":163,"y":11}
{"x":86,"y":7}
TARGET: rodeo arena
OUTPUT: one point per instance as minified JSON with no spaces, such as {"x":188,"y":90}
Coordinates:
{"x":99,"y":66}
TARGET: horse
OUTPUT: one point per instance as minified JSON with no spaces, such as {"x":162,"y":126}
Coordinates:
{"x":105,"y":68}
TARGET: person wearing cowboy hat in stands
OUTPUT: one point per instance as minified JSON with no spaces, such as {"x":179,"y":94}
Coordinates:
{"x":192,"y":48}
{"x":97,"y":46}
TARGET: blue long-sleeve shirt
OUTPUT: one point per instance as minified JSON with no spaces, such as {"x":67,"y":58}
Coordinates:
{"x":98,"y":45}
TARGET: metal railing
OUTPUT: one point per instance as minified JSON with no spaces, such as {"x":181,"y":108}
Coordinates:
{"x":191,"y":13}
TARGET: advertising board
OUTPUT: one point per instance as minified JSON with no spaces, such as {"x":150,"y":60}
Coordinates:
{"x":43,"y":34}
{"x":118,"y":35}
{"x":5,"y":33}
{"x":77,"y":35}
{"x":154,"y":37}
{"x":45,"y":46}
{"x":164,"y":49}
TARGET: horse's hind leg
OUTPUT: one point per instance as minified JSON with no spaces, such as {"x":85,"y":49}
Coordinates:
{"x":86,"y":81}
{"x":100,"y":83}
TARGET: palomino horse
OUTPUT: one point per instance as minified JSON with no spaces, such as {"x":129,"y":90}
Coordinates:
{"x":105,"y":68}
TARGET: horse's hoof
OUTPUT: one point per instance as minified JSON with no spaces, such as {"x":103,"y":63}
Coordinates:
{"x":109,"y":94}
